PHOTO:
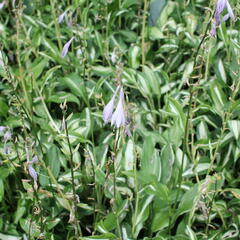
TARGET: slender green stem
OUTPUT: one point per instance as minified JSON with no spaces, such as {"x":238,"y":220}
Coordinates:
{"x":78,"y":228}
{"x":137,"y":194}
{"x":210,"y":209}
{"x":226,"y":118}
{"x":186,"y":128}
{"x":57,"y":29}
{"x":114,"y":183}
{"x":120,"y":17}
{"x":143,"y":31}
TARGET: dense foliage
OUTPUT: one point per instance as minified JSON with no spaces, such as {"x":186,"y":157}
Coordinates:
{"x":171,"y":171}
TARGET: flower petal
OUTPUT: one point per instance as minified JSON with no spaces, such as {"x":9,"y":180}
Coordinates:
{"x":118,"y":118}
{"x":221,"y":5}
{"x":213,"y":29}
{"x":61,"y":17}
{"x":2,"y":5}
{"x":2,"y":128}
{"x":32,"y":172}
{"x":108,"y":109}
{"x":34,"y":159}
{"x":230,"y":11}
{"x":6,"y":149}
{"x":66,"y":47}
{"x":226,"y":17}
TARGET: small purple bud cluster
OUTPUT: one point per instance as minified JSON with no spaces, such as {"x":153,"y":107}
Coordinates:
{"x":220,"y":7}
{"x":7,"y":136}
{"x":118,"y":117}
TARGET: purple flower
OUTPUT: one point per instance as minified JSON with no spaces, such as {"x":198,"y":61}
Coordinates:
{"x":2,"y":128}
{"x":66,"y":47}
{"x":213,"y":29}
{"x":230,"y":13}
{"x":108,"y":109}
{"x":127,"y":131}
{"x":61,"y":17}
{"x":34,"y":160}
{"x":6,"y":149}
{"x":2,"y":5}
{"x":118,"y":118}
{"x":113,"y":57}
{"x":32,"y":172}
{"x":221,"y":5}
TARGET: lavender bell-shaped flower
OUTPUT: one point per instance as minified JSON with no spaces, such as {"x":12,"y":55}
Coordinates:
{"x":66,"y":47}
{"x":31,"y":170}
{"x":108,"y":109}
{"x":61,"y":17}
{"x":230,"y":13}
{"x":2,"y":128}
{"x":220,"y":7}
{"x":2,"y":5}
{"x":213,"y":29}
{"x":118,"y":118}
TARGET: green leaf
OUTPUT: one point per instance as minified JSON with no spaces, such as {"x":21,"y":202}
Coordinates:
{"x":134,"y":56}
{"x":188,"y":201}
{"x":53,"y":160}
{"x":9,"y":237}
{"x":156,"y":8}
{"x":108,"y":224}
{"x":3,"y":108}
{"x":34,"y":230}
{"x":102,"y":71}
{"x":190,"y":233}
{"x":177,"y":109}
{"x":64,"y":203}
{"x":234,"y":126}
{"x":76,"y":84}
{"x":152,"y":80}
{"x":129,"y":158}
{"x":141,"y":214}
{"x":221,"y":71}
{"x":128,"y":3}
{"x":52,"y":223}
{"x":218,"y":96}
{"x":160,"y":220}
{"x":60,"y":97}
{"x":200,"y":169}
{"x":21,"y":209}
{"x":147,"y":152}
{"x":187,"y":72}
{"x":37,"y":67}
{"x":106,"y":236}
{"x":1,"y":190}
{"x":167,"y":160}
